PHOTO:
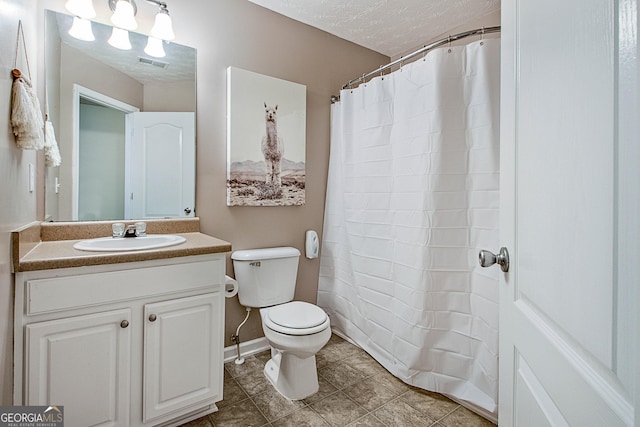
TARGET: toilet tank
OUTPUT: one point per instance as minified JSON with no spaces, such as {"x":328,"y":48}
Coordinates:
{"x":266,"y":276}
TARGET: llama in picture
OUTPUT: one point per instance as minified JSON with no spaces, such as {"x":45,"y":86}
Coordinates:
{"x":272,"y":148}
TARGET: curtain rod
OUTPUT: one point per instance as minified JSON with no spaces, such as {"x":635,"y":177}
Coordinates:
{"x":424,"y":49}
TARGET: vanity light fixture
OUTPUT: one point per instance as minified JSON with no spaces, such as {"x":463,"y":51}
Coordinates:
{"x":81,"y":8}
{"x":162,"y":27}
{"x":124,"y":12}
{"x":120,"y":39}
{"x":124,"y":20}
{"x":154,"y":47}
{"x":83,"y":11}
{"x":81,"y":29}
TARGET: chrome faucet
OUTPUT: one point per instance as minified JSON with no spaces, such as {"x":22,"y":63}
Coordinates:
{"x":130,"y":231}
{"x":139,"y":229}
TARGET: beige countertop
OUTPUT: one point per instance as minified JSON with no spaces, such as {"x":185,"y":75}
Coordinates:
{"x":40,"y":246}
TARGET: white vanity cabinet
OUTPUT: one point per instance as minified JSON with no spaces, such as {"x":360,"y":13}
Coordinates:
{"x":181,"y":362}
{"x":130,"y":344}
{"x":81,"y":359}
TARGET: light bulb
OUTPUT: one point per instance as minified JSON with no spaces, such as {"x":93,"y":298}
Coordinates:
{"x":81,"y":29}
{"x":163,"y":27}
{"x":120,"y":39}
{"x":123,"y":17}
{"x":154,"y":47}
{"x":82,"y":8}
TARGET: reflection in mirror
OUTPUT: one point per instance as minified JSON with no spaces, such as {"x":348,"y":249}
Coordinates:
{"x":125,"y":124}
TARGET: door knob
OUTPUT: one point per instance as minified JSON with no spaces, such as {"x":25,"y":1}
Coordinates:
{"x":152,"y":318}
{"x":187,"y":210}
{"x":124,"y":324}
{"x":487,"y":258}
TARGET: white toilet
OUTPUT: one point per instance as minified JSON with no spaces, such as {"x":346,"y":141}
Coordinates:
{"x":296,"y":330}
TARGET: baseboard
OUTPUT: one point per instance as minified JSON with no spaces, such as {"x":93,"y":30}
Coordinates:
{"x":246,"y":349}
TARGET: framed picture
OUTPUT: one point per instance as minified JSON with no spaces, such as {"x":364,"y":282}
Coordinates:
{"x":266,"y":140}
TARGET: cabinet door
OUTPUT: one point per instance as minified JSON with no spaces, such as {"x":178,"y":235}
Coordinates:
{"x":82,"y":363}
{"x":183,"y":352}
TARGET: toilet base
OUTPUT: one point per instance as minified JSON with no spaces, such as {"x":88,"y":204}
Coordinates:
{"x":293,"y":377}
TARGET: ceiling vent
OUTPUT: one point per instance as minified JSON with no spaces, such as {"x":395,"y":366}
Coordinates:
{"x":153,"y":62}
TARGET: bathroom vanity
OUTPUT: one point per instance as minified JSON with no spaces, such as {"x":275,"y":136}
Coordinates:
{"x":126,"y":339}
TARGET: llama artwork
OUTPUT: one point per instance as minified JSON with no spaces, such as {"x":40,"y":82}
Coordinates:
{"x":264,"y":115}
{"x":272,"y":148}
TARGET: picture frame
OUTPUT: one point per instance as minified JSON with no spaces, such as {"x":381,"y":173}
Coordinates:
{"x":266,"y":140}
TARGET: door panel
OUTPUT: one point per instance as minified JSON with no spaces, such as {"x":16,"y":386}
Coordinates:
{"x":160,"y":180}
{"x":565,"y":167}
{"x":182,"y":361}
{"x":560,"y":306}
{"x":82,"y":363}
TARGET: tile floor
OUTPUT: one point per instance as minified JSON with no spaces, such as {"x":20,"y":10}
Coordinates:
{"x":354,"y":391}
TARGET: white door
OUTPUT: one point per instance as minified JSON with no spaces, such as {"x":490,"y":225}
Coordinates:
{"x":82,"y":363}
{"x":569,"y":202}
{"x":183,"y":360}
{"x":160,"y":166}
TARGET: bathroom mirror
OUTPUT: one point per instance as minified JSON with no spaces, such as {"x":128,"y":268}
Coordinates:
{"x":95,"y":95}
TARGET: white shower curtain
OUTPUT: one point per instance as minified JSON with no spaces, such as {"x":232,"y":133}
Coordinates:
{"x":412,"y":196}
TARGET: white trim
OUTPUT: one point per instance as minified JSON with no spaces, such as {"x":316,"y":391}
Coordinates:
{"x":98,"y":98}
{"x":246,"y":349}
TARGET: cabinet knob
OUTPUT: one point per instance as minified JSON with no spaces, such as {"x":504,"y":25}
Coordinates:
{"x":152,"y":318}
{"x":124,"y":324}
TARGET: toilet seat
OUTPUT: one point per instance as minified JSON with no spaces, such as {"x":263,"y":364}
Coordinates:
{"x":296,"y":318}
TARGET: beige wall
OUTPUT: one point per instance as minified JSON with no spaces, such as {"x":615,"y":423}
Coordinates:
{"x":240,"y":34}
{"x":17,"y":205}
{"x":225,"y":33}
{"x":181,"y":95}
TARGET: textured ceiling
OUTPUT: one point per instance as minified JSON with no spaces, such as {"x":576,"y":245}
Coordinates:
{"x":390,"y":27}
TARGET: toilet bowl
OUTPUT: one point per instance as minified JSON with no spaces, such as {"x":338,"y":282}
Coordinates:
{"x":295,"y":330}
{"x":292,"y":369}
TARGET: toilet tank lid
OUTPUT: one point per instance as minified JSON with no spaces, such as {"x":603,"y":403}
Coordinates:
{"x":265,"y":253}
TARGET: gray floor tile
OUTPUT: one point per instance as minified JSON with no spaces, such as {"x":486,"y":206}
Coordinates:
{"x":462,"y":417}
{"x":432,"y":404}
{"x":273,"y":405}
{"x":232,"y":393}
{"x":355,"y":390}
{"x":241,"y":414}
{"x":399,"y":414}
{"x":368,"y":420}
{"x":326,"y":388}
{"x":341,"y":375}
{"x":338,"y":409}
{"x":305,"y":417}
{"x":370,"y":393}
{"x":253,"y":383}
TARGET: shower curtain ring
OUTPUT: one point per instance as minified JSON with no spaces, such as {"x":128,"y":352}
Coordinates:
{"x":449,"y":44}
{"x":482,"y":37}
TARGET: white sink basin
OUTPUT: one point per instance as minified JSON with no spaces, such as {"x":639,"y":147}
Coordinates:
{"x":109,"y":244}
